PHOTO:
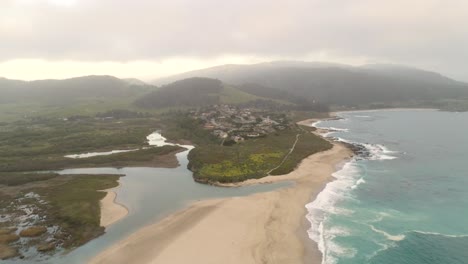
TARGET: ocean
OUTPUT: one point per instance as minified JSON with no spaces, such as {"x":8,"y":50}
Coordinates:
{"x":406,"y":201}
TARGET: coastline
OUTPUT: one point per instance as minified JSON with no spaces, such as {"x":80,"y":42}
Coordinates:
{"x":334,"y":113}
{"x":111,"y":211}
{"x":265,"y":227}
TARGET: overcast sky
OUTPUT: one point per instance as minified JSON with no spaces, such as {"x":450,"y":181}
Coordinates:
{"x":154,"y":38}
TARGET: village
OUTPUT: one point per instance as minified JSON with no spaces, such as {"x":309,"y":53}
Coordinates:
{"x":232,"y":123}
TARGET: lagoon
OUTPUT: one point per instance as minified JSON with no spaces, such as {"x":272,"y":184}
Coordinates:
{"x":150,"y":194}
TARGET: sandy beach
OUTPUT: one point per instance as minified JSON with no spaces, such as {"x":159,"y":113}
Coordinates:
{"x":262,"y":228}
{"x":111,"y":211}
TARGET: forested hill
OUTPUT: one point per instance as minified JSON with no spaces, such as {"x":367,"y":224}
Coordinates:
{"x":188,"y":92}
{"x":340,"y":84}
{"x":199,"y":92}
{"x":68,"y":90}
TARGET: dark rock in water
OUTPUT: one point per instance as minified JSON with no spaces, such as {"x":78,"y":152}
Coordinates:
{"x":45,"y":247}
{"x":7,"y":252}
{"x":358,"y":149}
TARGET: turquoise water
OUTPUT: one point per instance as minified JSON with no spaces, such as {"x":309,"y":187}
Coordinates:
{"x":407,"y":202}
{"x":150,"y":194}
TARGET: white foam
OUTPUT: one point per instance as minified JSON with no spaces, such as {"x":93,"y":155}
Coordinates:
{"x":326,"y":134}
{"x":339,"y":231}
{"x":376,"y":151}
{"x":438,"y":234}
{"x":315,"y":124}
{"x":379,"y":152}
{"x":387,"y":235}
{"x":331,"y":249}
{"x":337,"y":129}
{"x":326,"y":204}
{"x":380,"y":216}
{"x":358,"y":182}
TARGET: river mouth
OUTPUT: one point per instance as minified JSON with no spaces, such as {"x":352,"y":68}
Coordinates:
{"x":150,"y":194}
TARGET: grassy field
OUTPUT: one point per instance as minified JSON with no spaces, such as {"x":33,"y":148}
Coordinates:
{"x":74,"y":206}
{"x":42,"y":143}
{"x":307,"y":145}
{"x":14,"y":179}
{"x":144,"y":157}
{"x":77,"y":134}
{"x":253,"y":158}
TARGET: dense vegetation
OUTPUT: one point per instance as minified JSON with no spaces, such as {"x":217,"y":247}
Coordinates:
{"x":13,"y":179}
{"x":41,"y":144}
{"x":45,"y":136}
{"x":148,"y":157}
{"x":254,"y":158}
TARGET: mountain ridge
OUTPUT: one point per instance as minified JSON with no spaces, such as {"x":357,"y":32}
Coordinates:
{"x":66,"y":90}
{"x":339,"y":84}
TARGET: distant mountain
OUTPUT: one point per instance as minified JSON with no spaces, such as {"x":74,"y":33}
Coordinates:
{"x":282,"y":95}
{"x":188,"y":92}
{"x":199,"y":92}
{"x":231,"y":73}
{"x":68,"y":90}
{"x":134,"y":81}
{"x":338,"y":84}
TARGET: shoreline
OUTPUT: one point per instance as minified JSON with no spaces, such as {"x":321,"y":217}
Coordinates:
{"x":333,"y":113}
{"x":265,"y":227}
{"x":111,"y":211}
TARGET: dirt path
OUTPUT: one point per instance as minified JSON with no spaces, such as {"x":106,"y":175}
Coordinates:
{"x":287,"y":155}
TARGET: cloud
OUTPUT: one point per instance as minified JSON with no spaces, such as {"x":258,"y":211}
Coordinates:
{"x":425,"y":33}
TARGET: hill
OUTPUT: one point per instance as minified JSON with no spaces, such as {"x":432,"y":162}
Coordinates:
{"x":199,"y":92}
{"x":68,"y":90}
{"x":338,"y":84}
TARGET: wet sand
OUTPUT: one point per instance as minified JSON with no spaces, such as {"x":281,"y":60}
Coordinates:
{"x":111,"y":211}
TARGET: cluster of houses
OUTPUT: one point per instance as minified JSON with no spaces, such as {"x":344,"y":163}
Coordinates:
{"x":238,"y":124}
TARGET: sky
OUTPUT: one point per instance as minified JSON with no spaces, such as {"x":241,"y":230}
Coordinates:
{"x":148,"y":39}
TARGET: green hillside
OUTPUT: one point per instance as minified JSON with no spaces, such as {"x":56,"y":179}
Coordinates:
{"x":86,"y":95}
{"x":68,"y":90}
{"x":199,"y":92}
